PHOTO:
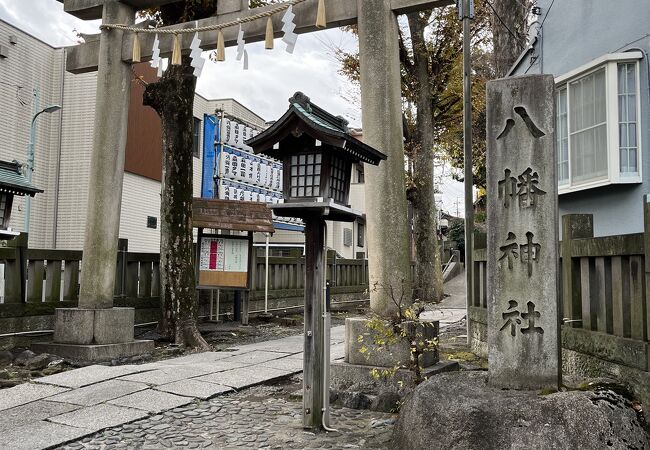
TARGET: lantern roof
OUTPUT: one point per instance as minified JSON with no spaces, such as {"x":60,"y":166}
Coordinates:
{"x":305,"y":116}
{"x":12,"y":180}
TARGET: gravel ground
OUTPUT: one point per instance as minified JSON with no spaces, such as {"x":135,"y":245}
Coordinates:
{"x":267,"y":416}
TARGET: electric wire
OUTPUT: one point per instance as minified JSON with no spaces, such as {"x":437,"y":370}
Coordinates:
{"x":500,"y":19}
{"x":546,"y":15}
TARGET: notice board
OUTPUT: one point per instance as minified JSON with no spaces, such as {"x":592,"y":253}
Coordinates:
{"x":224,"y":261}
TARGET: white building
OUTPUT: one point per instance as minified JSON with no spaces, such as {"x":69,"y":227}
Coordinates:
{"x":32,"y":77}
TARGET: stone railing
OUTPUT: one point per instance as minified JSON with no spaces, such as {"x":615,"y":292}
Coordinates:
{"x":603,"y":302}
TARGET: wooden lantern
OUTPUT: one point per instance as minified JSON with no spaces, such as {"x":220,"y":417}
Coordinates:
{"x":317,"y":151}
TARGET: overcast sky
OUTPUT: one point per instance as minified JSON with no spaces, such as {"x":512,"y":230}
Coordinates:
{"x":272,"y":78}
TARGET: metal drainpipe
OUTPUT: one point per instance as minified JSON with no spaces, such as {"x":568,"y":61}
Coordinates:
{"x":325,"y":313}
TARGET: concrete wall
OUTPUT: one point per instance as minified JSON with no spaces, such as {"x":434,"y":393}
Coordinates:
{"x":574,"y":33}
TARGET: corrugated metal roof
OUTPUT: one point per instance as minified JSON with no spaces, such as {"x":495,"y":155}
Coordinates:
{"x":13,"y":181}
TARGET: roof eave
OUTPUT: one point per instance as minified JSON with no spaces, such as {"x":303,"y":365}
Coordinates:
{"x":19,"y":190}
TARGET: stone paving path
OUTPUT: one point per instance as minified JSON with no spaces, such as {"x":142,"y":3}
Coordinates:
{"x":68,"y":406}
{"x":453,"y":308}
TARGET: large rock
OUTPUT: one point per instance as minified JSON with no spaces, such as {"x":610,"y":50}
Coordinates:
{"x":24,"y":356}
{"x":460,"y":411}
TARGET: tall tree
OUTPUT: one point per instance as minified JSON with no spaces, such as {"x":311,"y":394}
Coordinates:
{"x":432,"y":89}
{"x":421,"y":192}
{"x":509,"y":29}
{"x":173,"y":99}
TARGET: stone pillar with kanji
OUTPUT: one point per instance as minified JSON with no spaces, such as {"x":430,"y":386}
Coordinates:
{"x":523,"y":265}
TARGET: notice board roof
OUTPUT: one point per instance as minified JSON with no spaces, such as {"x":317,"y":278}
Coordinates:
{"x":232,"y":215}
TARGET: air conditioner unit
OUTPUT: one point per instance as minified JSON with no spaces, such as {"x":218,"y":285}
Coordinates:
{"x":13,"y":39}
{"x":4,"y":51}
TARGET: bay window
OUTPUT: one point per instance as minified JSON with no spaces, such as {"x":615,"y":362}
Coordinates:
{"x":597,"y":124}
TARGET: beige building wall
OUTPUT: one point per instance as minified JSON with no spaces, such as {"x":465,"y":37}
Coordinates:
{"x":77,"y":141}
{"x":31,"y":66}
{"x":234,"y":108}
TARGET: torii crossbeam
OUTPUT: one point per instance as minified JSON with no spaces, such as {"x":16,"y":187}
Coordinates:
{"x":83,"y":58}
{"x":109,"y":53}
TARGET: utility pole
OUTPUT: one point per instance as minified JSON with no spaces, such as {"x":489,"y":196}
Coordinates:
{"x":466,"y":14}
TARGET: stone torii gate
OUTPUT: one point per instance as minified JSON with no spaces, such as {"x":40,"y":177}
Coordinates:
{"x":110,"y":55}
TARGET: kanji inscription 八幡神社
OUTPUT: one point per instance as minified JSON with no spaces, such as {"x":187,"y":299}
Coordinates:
{"x":523,"y":323}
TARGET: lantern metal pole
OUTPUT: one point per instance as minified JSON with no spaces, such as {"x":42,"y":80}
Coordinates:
{"x":327,"y":323}
{"x":467,"y":14}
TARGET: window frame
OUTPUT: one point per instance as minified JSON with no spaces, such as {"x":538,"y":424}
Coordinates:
{"x":361,"y":234}
{"x":196,"y":137}
{"x":614,"y":176}
{"x":6,"y":211}
{"x":360,"y":172}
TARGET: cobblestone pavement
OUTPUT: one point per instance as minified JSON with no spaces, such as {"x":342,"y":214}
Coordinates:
{"x":259,"y":417}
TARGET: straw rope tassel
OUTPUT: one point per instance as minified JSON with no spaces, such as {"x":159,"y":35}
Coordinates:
{"x":321,"y":16}
{"x":176,"y":52}
{"x":269,"y":34}
{"x":221,"y":47}
{"x":136,"y":58}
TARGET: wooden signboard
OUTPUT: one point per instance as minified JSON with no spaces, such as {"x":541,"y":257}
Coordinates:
{"x":232,"y":215}
{"x":224,"y":261}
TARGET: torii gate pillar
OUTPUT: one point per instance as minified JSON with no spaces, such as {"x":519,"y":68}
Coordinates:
{"x":389,"y":260}
{"x":95,"y":330}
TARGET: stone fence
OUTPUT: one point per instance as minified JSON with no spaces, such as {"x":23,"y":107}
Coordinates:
{"x":603,"y":303}
{"x":36,"y":281}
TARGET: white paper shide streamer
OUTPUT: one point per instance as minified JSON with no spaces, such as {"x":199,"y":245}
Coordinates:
{"x":241,"y":48}
{"x":156,"y":62}
{"x":290,"y":38}
{"x":197,"y":60}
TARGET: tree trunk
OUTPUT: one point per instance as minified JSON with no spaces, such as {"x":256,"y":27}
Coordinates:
{"x":509,"y":33}
{"x":428,"y":267}
{"x":173,"y":99}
